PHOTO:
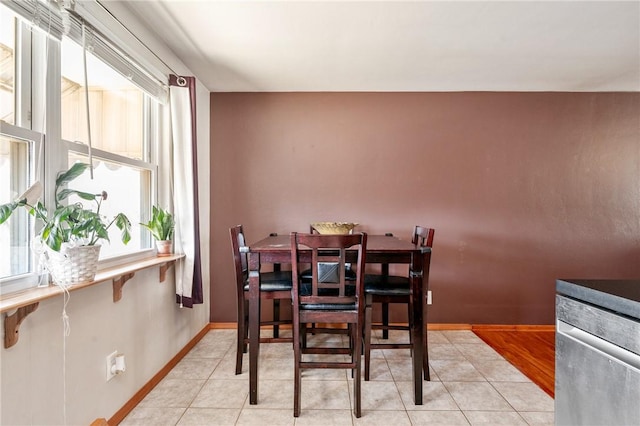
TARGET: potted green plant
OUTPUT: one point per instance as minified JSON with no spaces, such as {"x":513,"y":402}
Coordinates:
{"x":70,"y":233}
{"x":161,"y":225}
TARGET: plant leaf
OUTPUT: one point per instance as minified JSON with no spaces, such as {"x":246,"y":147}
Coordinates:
{"x":65,"y":193}
{"x":51,"y":238}
{"x":161,"y":225}
{"x":65,"y":177}
{"x":40,"y":212}
{"x":101,"y":231}
{"x":6,"y":210}
{"x":123,"y":223}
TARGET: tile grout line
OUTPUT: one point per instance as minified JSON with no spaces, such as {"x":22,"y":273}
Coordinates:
{"x":451,"y":340}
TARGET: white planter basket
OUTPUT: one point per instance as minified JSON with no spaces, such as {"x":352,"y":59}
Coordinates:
{"x":73,"y":265}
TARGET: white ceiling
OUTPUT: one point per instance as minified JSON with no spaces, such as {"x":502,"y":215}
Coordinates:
{"x":248,"y":46}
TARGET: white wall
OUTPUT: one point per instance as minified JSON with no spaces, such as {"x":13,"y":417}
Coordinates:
{"x":47,"y":379}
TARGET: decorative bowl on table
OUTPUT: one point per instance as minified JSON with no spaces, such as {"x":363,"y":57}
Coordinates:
{"x":333,"y":227}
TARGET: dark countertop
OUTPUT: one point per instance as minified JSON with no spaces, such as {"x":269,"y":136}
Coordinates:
{"x":621,"y":296}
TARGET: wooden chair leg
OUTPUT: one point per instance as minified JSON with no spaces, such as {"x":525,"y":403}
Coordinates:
{"x":425,"y":359}
{"x":385,"y":320}
{"x":351,"y":332}
{"x":239,"y":351}
{"x":276,"y":317}
{"x":276,"y":302}
{"x":425,"y":362}
{"x":357,"y":381}
{"x":243,"y":333}
{"x":425,"y":336}
{"x":367,"y":336}
{"x":410,"y":321}
{"x":245,"y":328}
{"x":297,"y":374}
{"x":303,"y":334}
{"x":354,"y":339}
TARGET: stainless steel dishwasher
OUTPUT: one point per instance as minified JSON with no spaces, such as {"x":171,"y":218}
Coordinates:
{"x":597,"y":355}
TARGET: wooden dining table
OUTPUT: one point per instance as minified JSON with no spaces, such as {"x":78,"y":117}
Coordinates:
{"x":276,"y":249}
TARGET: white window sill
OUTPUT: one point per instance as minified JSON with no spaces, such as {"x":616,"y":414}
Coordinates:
{"x":26,"y":301}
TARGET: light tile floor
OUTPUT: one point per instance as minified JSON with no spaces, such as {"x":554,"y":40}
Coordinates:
{"x":471,"y":384}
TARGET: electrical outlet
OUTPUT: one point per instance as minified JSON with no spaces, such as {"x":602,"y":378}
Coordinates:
{"x":429,"y":300}
{"x":111,"y":365}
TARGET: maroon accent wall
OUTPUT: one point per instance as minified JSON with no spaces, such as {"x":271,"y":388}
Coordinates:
{"x":522,"y":188}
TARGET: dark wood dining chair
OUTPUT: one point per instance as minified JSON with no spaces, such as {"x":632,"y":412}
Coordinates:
{"x":385,"y":289}
{"x":306,"y":275}
{"x":275,"y":286}
{"x":328,"y":298}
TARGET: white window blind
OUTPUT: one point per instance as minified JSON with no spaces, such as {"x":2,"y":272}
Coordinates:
{"x":56,"y":21}
{"x":39,"y":14}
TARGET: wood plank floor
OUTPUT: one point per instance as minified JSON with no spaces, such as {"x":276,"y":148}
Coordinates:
{"x":530,"y":351}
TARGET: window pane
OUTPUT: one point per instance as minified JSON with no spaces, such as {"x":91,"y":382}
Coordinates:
{"x":128,"y":190}
{"x":7,"y":65}
{"x":116,"y":105}
{"x":15,"y":233}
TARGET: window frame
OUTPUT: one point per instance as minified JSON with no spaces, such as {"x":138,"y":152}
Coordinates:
{"x":80,"y":148}
{"x":37,"y":86}
{"x":31,"y":278}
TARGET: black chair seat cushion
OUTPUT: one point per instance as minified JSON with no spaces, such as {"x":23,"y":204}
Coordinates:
{"x":273,"y":281}
{"x":305,"y":290}
{"x":386,"y":285}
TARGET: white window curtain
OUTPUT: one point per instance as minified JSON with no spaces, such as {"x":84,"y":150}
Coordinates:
{"x":182,"y":96}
